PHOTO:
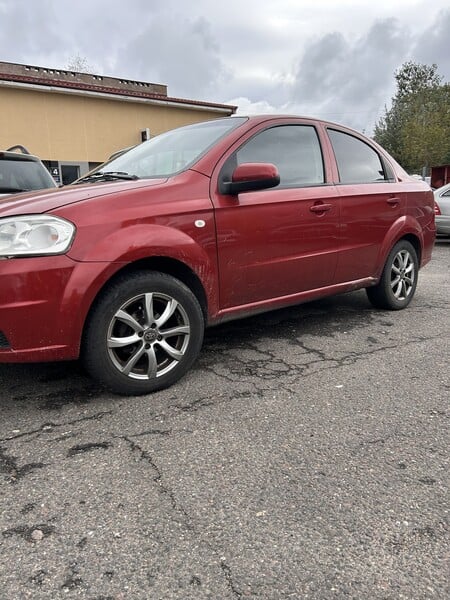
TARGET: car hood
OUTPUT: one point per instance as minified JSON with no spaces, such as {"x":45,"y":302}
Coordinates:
{"x":42,"y":201}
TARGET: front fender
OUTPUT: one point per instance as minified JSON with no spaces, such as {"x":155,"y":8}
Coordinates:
{"x":143,"y":241}
{"x":139,"y":241}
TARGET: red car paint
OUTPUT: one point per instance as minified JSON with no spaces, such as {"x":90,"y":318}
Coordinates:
{"x":252,"y":251}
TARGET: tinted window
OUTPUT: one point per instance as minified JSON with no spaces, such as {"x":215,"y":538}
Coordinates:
{"x":293,"y":149}
{"x":21,"y":174}
{"x":357,"y":162}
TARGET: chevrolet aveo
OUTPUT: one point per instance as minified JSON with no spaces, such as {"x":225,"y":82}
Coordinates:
{"x":205,"y":223}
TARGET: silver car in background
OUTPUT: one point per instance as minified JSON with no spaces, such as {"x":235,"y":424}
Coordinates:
{"x":442,"y":209}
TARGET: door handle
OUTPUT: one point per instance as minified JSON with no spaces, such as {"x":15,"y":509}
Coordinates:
{"x":320,"y":208}
{"x":393,"y":201}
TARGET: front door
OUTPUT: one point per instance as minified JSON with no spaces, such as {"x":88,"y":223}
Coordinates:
{"x":281,"y":241}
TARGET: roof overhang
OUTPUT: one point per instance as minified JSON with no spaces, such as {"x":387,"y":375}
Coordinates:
{"x":78,"y":89}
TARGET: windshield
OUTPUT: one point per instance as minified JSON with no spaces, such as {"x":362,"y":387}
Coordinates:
{"x":19,"y":175}
{"x":171,"y":152}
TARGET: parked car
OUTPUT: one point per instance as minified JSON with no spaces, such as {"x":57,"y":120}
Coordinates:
{"x":205,"y":223}
{"x":22,"y":172}
{"x":442,"y":209}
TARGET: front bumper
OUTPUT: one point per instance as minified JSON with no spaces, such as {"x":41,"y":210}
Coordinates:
{"x":43,"y":305}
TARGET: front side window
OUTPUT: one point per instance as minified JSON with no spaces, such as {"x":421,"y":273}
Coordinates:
{"x":357,"y":162}
{"x":293,"y":149}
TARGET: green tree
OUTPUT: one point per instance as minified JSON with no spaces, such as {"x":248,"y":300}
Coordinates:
{"x":416,"y":128}
{"x":413,"y":78}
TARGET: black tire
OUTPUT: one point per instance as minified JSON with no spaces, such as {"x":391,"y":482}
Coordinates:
{"x":398,"y":282}
{"x":143,"y":334}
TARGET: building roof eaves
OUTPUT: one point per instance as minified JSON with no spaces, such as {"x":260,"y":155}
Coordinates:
{"x":76,"y":85}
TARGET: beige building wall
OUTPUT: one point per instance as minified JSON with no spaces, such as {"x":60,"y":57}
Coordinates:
{"x":82,"y":128}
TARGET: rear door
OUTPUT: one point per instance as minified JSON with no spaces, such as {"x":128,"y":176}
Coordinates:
{"x":281,"y":241}
{"x":371,"y":202}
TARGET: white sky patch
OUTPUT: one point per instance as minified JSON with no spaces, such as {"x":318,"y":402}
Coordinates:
{"x":247,"y":107}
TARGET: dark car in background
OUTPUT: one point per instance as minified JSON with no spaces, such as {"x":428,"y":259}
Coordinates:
{"x":202,"y":224}
{"x":20,"y":171}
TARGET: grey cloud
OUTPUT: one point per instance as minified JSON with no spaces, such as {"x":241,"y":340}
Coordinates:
{"x":433,"y":46}
{"x":321,"y":67}
{"x":50,"y":32}
{"x":183,"y":54}
{"x":26,"y":31}
{"x":348,"y":81}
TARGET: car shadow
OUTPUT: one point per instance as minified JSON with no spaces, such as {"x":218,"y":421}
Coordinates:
{"x":52,"y":386}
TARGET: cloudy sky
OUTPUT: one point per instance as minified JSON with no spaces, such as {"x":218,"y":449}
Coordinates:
{"x":334,"y":59}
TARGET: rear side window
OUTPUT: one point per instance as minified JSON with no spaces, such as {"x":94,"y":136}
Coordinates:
{"x":357,"y":161}
{"x":293,"y":149}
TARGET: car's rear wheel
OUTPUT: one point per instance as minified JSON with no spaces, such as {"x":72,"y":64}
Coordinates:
{"x":143,"y":334}
{"x":398,"y":282}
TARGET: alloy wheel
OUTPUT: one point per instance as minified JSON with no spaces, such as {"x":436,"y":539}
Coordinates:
{"x":148,"y":336}
{"x":402,"y":275}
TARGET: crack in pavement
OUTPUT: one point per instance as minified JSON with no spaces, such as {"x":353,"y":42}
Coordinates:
{"x":229,"y":577}
{"x":194,"y":405}
{"x":150,"y":432}
{"x":186,"y":518}
{"x":46,"y":427}
{"x":250,"y":367}
{"x":158,"y":479}
{"x":82,"y":448}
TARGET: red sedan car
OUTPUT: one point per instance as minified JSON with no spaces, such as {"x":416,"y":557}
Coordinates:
{"x":204,"y":223}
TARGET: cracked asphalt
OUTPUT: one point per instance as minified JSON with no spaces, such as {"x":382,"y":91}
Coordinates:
{"x":305,"y":456}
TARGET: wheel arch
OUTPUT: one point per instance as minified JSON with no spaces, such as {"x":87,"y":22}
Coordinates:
{"x":415,"y":243}
{"x":404,"y":229}
{"x":161,"y":264}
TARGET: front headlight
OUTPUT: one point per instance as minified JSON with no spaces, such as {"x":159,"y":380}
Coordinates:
{"x":35,"y":235}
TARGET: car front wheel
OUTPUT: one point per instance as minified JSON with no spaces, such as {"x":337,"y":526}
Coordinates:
{"x":143,"y":334}
{"x":398,"y":282}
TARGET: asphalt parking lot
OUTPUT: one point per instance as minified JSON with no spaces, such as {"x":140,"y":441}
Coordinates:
{"x":305,"y":456}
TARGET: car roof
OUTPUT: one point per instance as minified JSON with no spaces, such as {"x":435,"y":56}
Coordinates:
{"x":12,"y":153}
{"x":443,"y":188}
{"x":261,"y":118}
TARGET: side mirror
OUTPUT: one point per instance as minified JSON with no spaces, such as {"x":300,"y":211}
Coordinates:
{"x":250,"y":177}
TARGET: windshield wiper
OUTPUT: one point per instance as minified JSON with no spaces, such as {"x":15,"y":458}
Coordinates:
{"x":106,"y":176}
